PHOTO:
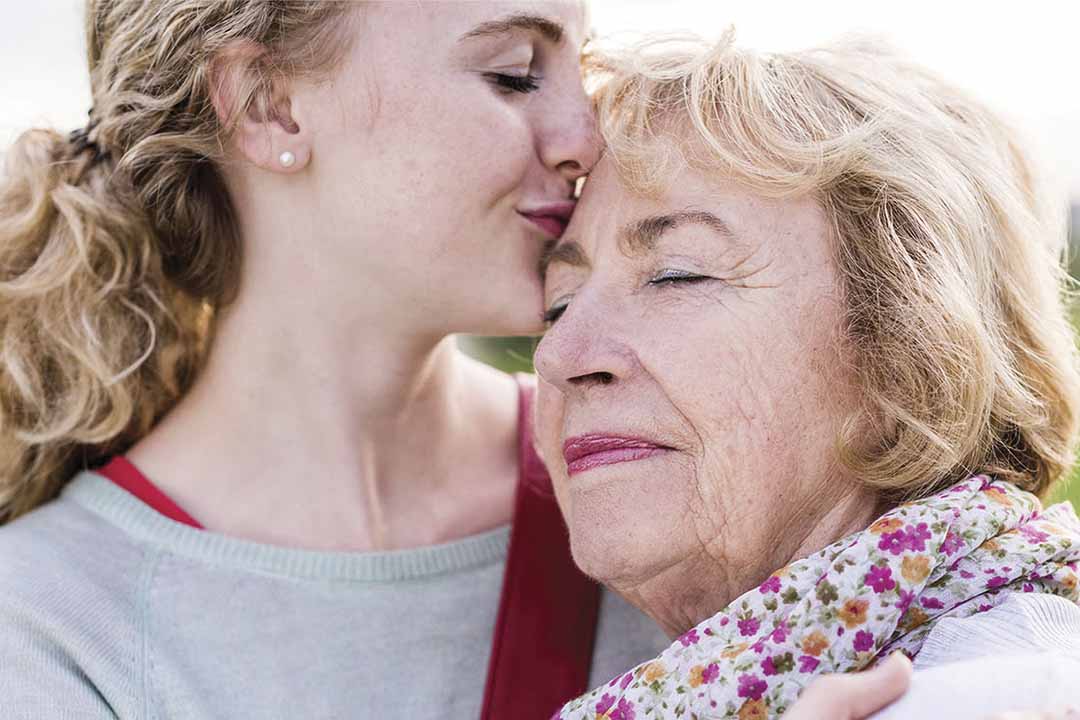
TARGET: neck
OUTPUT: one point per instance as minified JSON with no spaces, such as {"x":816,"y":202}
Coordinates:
{"x":359,"y":437}
{"x":684,"y":594}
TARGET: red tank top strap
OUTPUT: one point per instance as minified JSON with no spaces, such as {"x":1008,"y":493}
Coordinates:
{"x":544,"y":635}
{"x":123,"y":473}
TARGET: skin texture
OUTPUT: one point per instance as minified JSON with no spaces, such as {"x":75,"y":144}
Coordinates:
{"x":335,"y":412}
{"x":742,"y":375}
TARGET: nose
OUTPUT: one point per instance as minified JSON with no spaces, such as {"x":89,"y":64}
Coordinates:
{"x":570,"y":143}
{"x":583,"y":351}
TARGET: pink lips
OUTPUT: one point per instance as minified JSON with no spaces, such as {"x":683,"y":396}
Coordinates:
{"x":586,"y":452}
{"x":552,"y":218}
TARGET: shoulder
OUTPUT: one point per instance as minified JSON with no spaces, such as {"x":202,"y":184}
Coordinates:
{"x":1024,"y":624}
{"x":62,"y":546}
{"x":985,"y":686}
{"x":1022,"y":655}
{"x":69,"y":614}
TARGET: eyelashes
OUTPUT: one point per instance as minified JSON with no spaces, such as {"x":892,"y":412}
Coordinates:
{"x":514,"y":83}
{"x":555,"y":312}
{"x":661,"y":279}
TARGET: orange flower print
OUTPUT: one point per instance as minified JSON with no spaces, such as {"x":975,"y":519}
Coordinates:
{"x":997,"y":495}
{"x":695,"y":675}
{"x":990,"y":545}
{"x":913,"y":618}
{"x":654,"y":671}
{"x":886,"y":525}
{"x":753,"y":710}
{"x":853,"y":612}
{"x":815,"y":643}
{"x":734,"y":651}
{"x":1069,"y":581}
{"x":915,"y":568}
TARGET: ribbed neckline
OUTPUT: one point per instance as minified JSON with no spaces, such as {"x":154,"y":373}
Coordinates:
{"x":122,"y":509}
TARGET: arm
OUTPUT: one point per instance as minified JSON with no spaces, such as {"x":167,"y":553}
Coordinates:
{"x":40,"y":681}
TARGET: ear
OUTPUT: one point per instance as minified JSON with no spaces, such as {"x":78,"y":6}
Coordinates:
{"x":252,"y":100}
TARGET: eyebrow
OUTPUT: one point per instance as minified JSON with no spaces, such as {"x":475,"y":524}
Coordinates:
{"x":643,"y":235}
{"x":636,"y":238}
{"x":569,"y":253}
{"x":545,"y":27}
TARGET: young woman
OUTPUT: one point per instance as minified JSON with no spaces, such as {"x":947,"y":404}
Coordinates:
{"x":232,"y":293}
{"x":240,"y":279}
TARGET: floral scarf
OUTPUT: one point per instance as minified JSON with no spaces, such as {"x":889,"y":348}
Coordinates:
{"x":954,"y":554}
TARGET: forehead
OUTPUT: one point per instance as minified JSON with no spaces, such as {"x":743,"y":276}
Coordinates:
{"x":480,"y":19}
{"x":612,"y":214}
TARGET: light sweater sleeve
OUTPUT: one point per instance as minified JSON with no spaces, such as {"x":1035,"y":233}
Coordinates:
{"x":980,"y":689}
{"x":1022,"y":655}
{"x":39,"y":681}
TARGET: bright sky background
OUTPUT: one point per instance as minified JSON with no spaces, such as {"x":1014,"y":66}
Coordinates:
{"x":1022,"y":57}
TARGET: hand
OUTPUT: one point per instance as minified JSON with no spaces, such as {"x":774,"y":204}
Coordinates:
{"x":856,"y":696}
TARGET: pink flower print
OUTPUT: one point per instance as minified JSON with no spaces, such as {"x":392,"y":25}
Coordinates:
{"x":984,"y":608}
{"x":1028,"y":587}
{"x":605,"y":704}
{"x":779,"y":633}
{"x":772,"y":585}
{"x":864,"y":640}
{"x":752,"y":687}
{"x":931,"y":603}
{"x":690,"y":638}
{"x":917,"y":537}
{"x":967,"y":575}
{"x":710,"y":673}
{"x":952,"y":543}
{"x":893,"y":542}
{"x":880,"y":579}
{"x":626,"y":680}
{"x":759,"y":646}
{"x":749,"y":626}
{"x":709,"y":632}
{"x":808,"y":664}
{"x":724,"y":621}
{"x":996,"y":582}
{"x":625,"y":711}
{"x":906,"y":598}
{"x":1032,"y":534}
{"x":768,"y":667}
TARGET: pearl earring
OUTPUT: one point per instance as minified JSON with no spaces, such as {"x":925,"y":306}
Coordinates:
{"x":287,"y":159}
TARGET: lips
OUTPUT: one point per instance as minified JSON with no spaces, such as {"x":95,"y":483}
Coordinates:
{"x":552,"y":218}
{"x":586,"y":452}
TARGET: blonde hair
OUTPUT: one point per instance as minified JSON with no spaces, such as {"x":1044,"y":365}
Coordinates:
{"x":112,"y":268}
{"x":948,"y":250}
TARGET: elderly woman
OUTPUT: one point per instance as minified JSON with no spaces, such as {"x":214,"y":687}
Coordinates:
{"x":808,"y":373}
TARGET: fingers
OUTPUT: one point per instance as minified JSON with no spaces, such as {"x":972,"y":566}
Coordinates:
{"x":855,"y":696}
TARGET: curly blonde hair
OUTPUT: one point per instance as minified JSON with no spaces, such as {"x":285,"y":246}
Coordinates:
{"x":113,"y":265}
{"x":948,"y":249}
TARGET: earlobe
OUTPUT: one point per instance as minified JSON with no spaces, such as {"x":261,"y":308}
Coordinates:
{"x":254,"y":107}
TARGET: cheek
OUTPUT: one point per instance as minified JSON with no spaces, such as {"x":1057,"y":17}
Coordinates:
{"x":755,"y":384}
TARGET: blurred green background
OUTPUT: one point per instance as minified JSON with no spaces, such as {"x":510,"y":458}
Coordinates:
{"x":515,"y":354}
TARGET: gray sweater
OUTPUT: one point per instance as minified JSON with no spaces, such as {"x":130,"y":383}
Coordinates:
{"x":110,"y":610}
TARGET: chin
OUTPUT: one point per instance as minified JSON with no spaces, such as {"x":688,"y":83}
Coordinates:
{"x":615,"y":554}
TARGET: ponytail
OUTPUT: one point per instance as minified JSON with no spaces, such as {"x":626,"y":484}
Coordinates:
{"x":118,"y":243}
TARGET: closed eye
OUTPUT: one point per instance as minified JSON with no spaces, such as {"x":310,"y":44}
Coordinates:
{"x":673,"y":277}
{"x":514,"y":83}
{"x":556,"y":311}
